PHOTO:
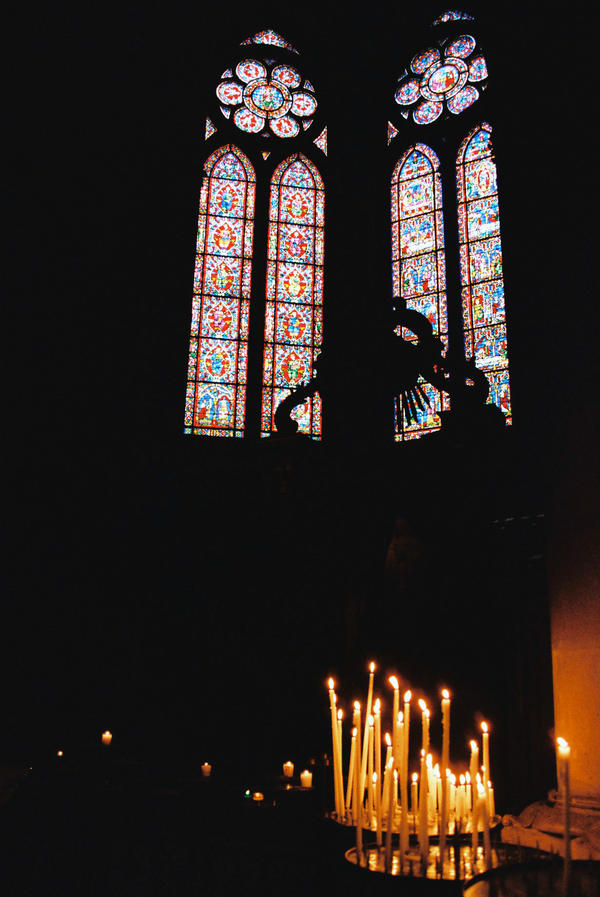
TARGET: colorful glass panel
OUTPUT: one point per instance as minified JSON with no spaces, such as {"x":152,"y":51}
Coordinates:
{"x":422,"y":61}
{"x":462,"y":46}
{"x":217,"y":370}
{"x":463,"y":99}
{"x":451,"y":15}
{"x":321,"y":141}
{"x":209,"y":129}
{"x":294,"y":313}
{"x":484,"y":316}
{"x":392,"y":132}
{"x":271,"y":38}
{"x":419,"y":266}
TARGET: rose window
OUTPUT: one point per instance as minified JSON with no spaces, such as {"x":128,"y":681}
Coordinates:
{"x":444,"y":81}
{"x":262,"y":99}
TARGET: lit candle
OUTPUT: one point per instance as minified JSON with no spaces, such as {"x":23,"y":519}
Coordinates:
{"x":334,"y":739}
{"x":474,"y":767}
{"x":389,"y":758}
{"x":468,"y":799}
{"x":59,"y":753}
{"x":365,"y":747}
{"x":206,"y":770}
{"x":396,"y":707}
{"x":351,"y":766}
{"x":404,"y":770}
{"x":377,"y":742}
{"x":388,"y":784}
{"x":423,"y":825}
{"x":475,"y":818}
{"x":370,"y":806}
{"x":414,"y":793}
{"x":356,"y":722}
{"x":491,"y":801}
{"x":377,"y":802}
{"x":460,"y":802}
{"x":106,"y":737}
{"x":306,"y":778}
{"x":288,"y":769}
{"x":357,"y":801}
{"x":425,"y":725}
{"x":485,"y":738}
{"x":445,"y":764}
{"x":564,"y":754}
{"x":339,"y":773}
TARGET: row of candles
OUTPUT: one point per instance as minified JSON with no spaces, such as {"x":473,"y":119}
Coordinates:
{"x":377,"y":788}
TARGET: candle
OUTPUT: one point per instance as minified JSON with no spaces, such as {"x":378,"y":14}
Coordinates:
{"x":351,"y":766}
{"x":389,"y":758}
{"x":445,"y":764}
{"x":414,"y":793}
{"x":258,"y":796}
{"x":357,"y":800}
{"x":106,"y":737}
{"x":338,"y":768}
{"x":396,"y":707}
{"x":423,"y":825}
{"x":431,"y":786}
{"x":377,"y":802}
{"x":306,"y":778}
{"x":357,"y":725}
{"x":468,"y":799}
{"x":388,"y":784}
{"x":371,"y":762}
{"x":475,"y":819}
{"x":334,"y":739}
{"x":59,"y":753}
{"x":206,"y":770}
{"x":288,"y":769}
{"x":404,"y":770}
{"x":365,"y":751}
{"x":491,"y":801}
{"x":485,"y":737}
{"x":377,"y":742}
{"x":564,"y":754}
{"x":425,"y":725}
{"x":483,"y":813}
{"x":474,"y":768}
{"x":460,"y":802}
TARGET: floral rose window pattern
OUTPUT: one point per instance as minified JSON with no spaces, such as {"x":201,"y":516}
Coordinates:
{"x":294,"y":308}
{"x":217,"y":371}
{"x":484,"y":316}
{"x":419,"y":265}
{"x":265,"y":97}
{"x":439,"y":81}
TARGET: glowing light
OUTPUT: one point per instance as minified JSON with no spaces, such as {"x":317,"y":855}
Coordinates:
{"x":388,"y":739}
{"x":407,"y":696}
{"x":394,"y":682}
{"x":59,"y":753}
{"x":484,"y":727}
{"x":331,"y":684}
{"x":106,"y":737}
{"x":445,"y":694}
{"x":372,"y":666}
{"x":422,"y":705}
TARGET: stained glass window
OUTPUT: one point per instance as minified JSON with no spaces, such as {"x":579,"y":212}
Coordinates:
{"x":269,"y":37}
{"x":216,"y":392}
{"x":484,"y":315}
{"x":294,"y":308}
{"x":451,"y":15}
{"x":419,"y":265}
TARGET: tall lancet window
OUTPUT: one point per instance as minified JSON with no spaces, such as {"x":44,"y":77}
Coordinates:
{"x":419,"y":264}
{"x":484,"y":317}
{"x":294,"y":312}
{"x":218,"y":364}
{"x":441,"y":93}
{"x":256,"y":333}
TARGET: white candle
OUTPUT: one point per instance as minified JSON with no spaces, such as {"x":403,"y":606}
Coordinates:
{"x":482,"y":811}
{"x":564,"y":754}
{"x":388,"y":784}
{"x":414,"y":793}
{"x":377,"y":802}
{"x":425,"y":725}
{"x":370,"y":806}
{"x":351,"y":766}
{"x":106,"y":737}
{"x":357,"y":802}
{"x":461,"y":794}
{"x":365,"y":751}
{"x":356,"y":722}
{"x":206,"y":770}
{"x":389,"y":758}
{"x":423,"y":825}
{"x":288,"y":769}
{"x":491,"y":801}
{"x":377,"y":743}
{"x":445,"y":764}
{"x":475,"y":818}
{"x":339,"y":773}
{"x":396,"y":707}
{"x":485,"y":738}
{"x":306,"y":778}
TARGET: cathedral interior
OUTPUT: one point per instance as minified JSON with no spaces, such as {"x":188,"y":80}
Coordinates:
{"x":193,"y":593}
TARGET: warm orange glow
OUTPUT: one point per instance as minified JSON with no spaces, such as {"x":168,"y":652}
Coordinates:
{"x":374,"y":778}
{"x":331,"y":683}
{"x":415,"y":777}
{"x":354,"y":732}
{"x":436,"y":771}
{"x":372,"y":666}
{"x":462,"y":780}
{"x":484,"y":727}
{"x":377,"y":707}
{"x":388,"y":739}
{"x":258,"y":796}
{"x":422,"y":705}
{"x":106,"y":737}
{"x":394,"y":682}
{"x":445,"y":694}
{"x":400,"y":718}
{"x":59,"y":753}
{"x":426,"y":713}
{"x":468,"y":778}
{"x":407,"y":696}
{"x":340,"y":714}
{"x":480,"y":789}
{"x":564,"y":749}
{"x":357,"y":706}
{"x":451,"y":776}
{"x":473,"y":745}
{"x":371,"y":721}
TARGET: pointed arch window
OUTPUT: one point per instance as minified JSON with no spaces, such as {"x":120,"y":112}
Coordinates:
{"x":294,"y":309}
{"x":218,"y":359}
{"x":419,"y":265}
{"x":484,"y":315}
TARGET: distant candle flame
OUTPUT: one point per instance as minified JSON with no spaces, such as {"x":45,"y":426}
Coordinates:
{"x":473,"y":745}
{"x":468,"y":778}
{"x":562,"y":743}
{"x":374,"y":778}
{"x":372,"y":666}
{"x":422,"y":705}
{"x":400,"y":718}
{"x":407,"y":696}
{"x":415,"y":777}
{"x":484,"y":727}
{"x":451,"y":776}
{"x":429,"y":761}
{"x":436,"y":771}
{"x":395,"y":773}
{"x":480,"y":789}
{"x":354,"y":732}
{"x":340,"y":714}
{"x":394,"y":682}
{"x":462,"y":780}
{"x":426,"y":713}
{"x":388,"y":739}
{"x":357,"y":705}
{"x":59,"y":753}
{"x":478,"y":779}
{"x":377,"y":707}
{"x":371,"y":720}
{"x":331,"y":683}
{"x":445,"y":694}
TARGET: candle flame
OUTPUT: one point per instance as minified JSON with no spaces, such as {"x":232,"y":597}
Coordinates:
{"x":562,"y":743}
{"x":400,"y":718}
{"x":388,"y":739}
{"x":478,"y":779}
{"x":451,"y":776}
{"x":374,"y":778}
{"x":340,"y":714}
{"x":480,"y":789}
{"x":371,"y":721}
{"x":415,"y":777}
{"x":372,"y":667}
{"x":59,"y":753}
{"x":422,"y":705}
{"x":429,"y":761}
{"x":354,"y":732}
{"x":357,"y":706}
{"x":394,"y":682}
{"x":474,"y":747}
{"x":462,"y":780}
{"x":407,"y":696}
{"x":377,"y":707}
{"x":445,"y":694}
{"x":395,"y":772}
{"x":484,"y":727}
{"x":436,"y":771}
{"x":468,"y":778}
{"x":331,"y":683}
{"x":426,"y":713}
